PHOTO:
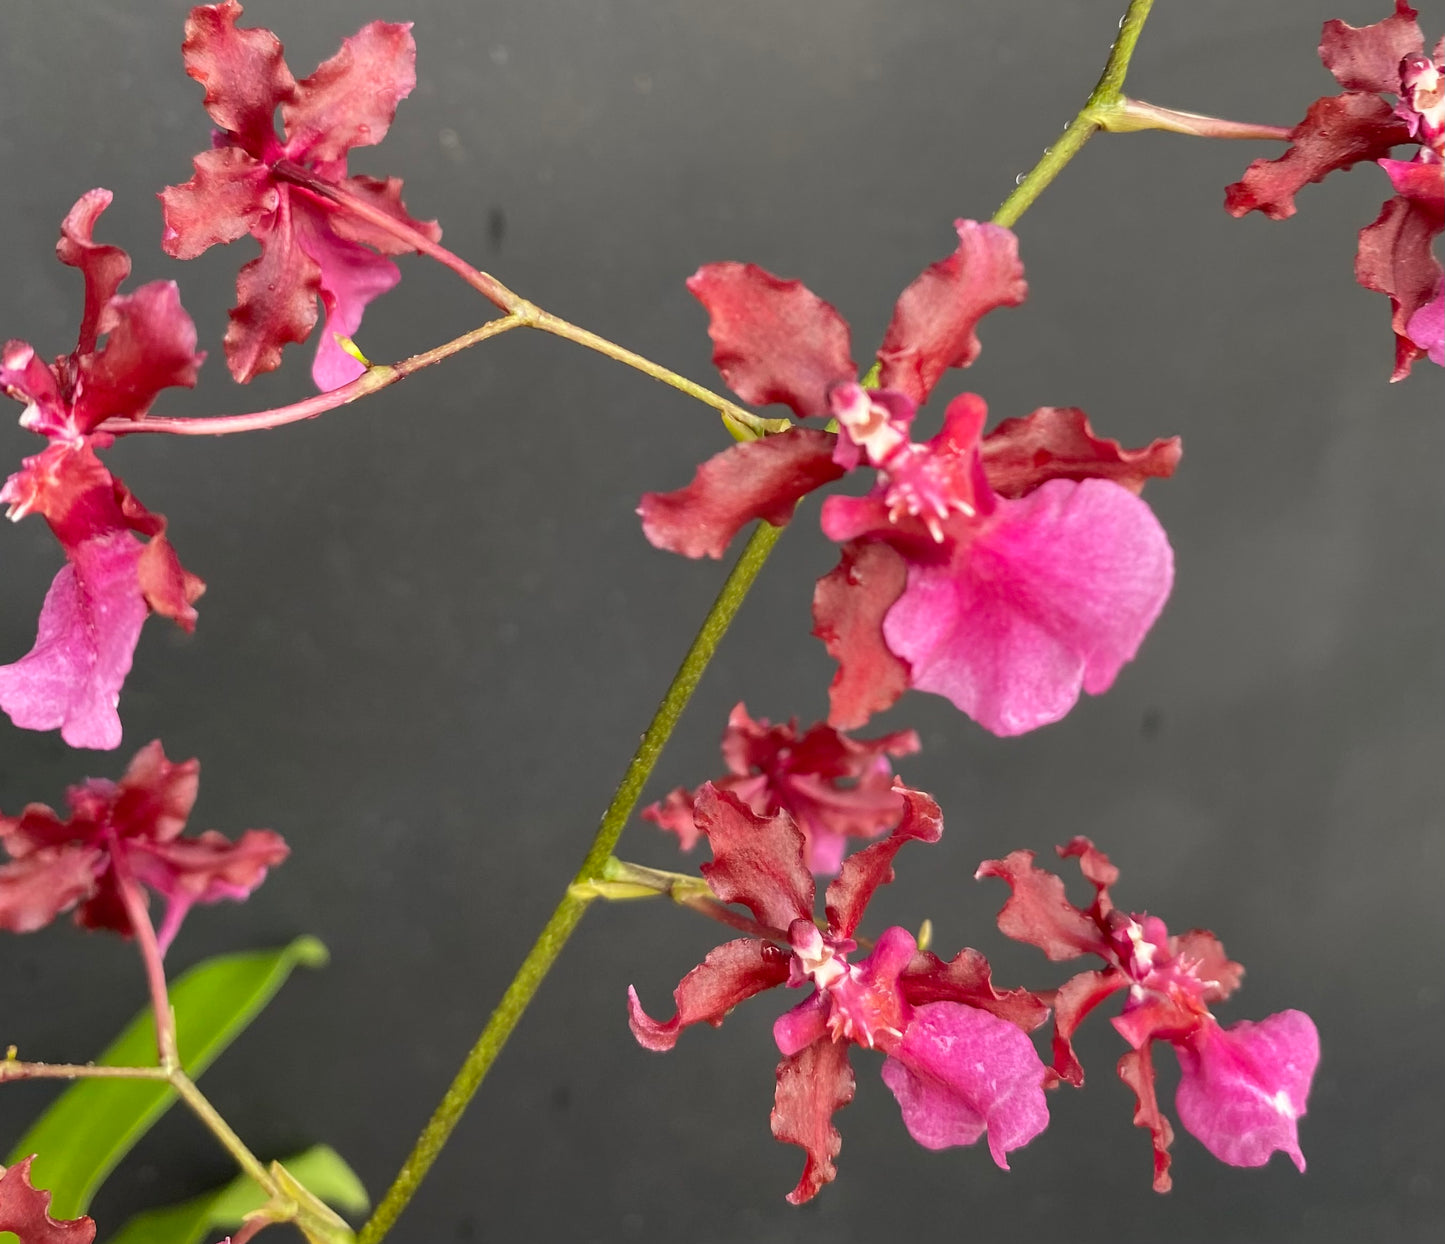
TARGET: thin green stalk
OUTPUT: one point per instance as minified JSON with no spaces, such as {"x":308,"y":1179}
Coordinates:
{"x":1106,"y":95}
{"x":568,"y":913}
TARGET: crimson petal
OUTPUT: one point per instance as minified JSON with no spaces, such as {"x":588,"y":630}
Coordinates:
{"x":967,"y":978}
{"x":229,"y":193}
{"x":757,"y":479}
{"x":1396,"y":256}
{"x":243,"y":71}
{"x":731,"y":973}
{"x":1136,"y":1069}
{"x":350,"y":100}
{"x":849,"y":604}
{"x":103,"y":266}
{"x":1056,"y":442}
{"x":1038,"y":911}
{"x":276,"y":298}
{"x":757,"y":861}
{"x":862,"y":873}
{"x":812,"y":1085}
{"x":773,"y":340}
{"x":1338,"y":131}
{"x":1367,"y":58}
{"x":934,"y":321}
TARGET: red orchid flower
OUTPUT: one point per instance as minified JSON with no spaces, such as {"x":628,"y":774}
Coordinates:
{"x":309,"y":247}
{"x":957,"y":1057}
{"x":834,"y":787}
{"x":1395,"y":255}
{"x":1242,"y":1089}
{"x":1006,"y":572}
{"x":92,"y":615}
{"x":123,"y":832}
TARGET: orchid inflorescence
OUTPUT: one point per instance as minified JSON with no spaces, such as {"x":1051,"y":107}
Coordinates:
{"x":1005,"y":570}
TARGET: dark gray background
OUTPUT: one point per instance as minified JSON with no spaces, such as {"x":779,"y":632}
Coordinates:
{"x":433,"y":628}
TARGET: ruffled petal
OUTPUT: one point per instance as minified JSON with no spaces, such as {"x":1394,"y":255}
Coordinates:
{"x":243,"y":71}
{"x":229,"y":193}
{"x":1338,"y":131}
{"x":730,"y":974}
{"x":89,"y":626}
{"x":205,"y":869}
{"x":351,"y":99}
{"x":813,"y":1085}
{"x":1396,"y":256}
{"x":849,"y":605}
{"x":762,"y":479}
{"x":1367,"y":58}
{"x":757,"y":861}
{"x":862,"y":873}
{"x":1054,"y":597}
{"x":934,"y":322}
{"x":103,"y":266}
{"x":1136,"y":1069}
{"x":960,"y":1072}
{"x":38,"y":887}
{"x":1056,"y":442}
{"x":276,"y":298}
{"x":1038,"y":910}
{"x":967,"y":979}
{"x":150,"y":345}
{"x":773,"y":340}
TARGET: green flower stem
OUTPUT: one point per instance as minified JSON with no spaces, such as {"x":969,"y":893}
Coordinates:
{"x":569,"y":911}
{"x":1107,"y":95}
{"x":575,"y":900}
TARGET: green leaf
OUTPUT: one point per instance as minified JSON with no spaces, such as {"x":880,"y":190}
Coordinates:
{"x":321,"y":1169}
{"x":94,"y":1123}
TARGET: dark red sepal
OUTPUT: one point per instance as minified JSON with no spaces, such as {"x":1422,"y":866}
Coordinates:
{"x":773,"y":340}
{"x":967,"y":978}
{"x":1367,"y":58}
{"x":731,"y":973}
{"x":1136,"y":1069}
{"x":1057,"y":442}
{"x":849,"y":604}
{"x":1396,"y":251}
{"x":1038,"y":911}
{"x":1338,"y":131}
{"x":864,"y":871}
{"x":757,"y":861}
{"x":812,"y":1085}
{"x":762,"y":479}
{"x":934,"y":321}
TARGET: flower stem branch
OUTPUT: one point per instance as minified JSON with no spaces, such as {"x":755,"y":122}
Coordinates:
{"x":515,"y":305}
{"x":576,"y":899}
{"x":569,"y":911}
{"x":1106,"y":96}
{"x":1134,"y":114}
{"x":11,"y":1068}
{"x":375,"y":377}
{"x":133,"y":899}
